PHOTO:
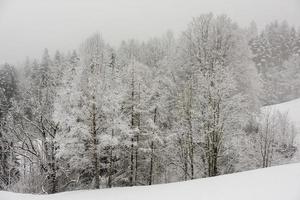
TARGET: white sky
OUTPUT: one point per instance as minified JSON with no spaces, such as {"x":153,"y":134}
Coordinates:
{"x":28,"y":26}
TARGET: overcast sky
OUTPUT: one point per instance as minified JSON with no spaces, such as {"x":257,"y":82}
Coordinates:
{"x":28,"y":26}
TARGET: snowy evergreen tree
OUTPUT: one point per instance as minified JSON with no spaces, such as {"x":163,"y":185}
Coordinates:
{"x":9,"y":173}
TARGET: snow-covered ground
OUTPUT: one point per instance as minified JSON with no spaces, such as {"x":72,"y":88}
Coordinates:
{"x":290,"y":107}
{"x":275,"y":183}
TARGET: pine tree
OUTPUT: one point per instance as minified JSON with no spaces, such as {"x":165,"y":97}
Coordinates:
{"x":9,"y":173}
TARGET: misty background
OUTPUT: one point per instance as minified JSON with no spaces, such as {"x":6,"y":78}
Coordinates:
{"x":27,"y":27}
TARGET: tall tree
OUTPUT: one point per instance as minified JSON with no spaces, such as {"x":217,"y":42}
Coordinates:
{"x":213,"y":50}
{"x":8,"y":93}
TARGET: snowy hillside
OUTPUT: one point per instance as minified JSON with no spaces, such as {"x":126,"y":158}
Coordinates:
{"x":290,"y":107}
{"x":275,"y":183}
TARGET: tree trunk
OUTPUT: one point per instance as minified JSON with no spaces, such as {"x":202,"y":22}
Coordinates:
{"x":152,"y":151}
{"x":131,"y":163}
{"x":94,"y":147}
{"x":138,"y":118}
{"x":190,"y":128}
{"x":191,"y":145}
{"x":109,"y":183}
{"x":53,"y":167}
{"x":54,"y":186}
{"x":136,"y":157}
{"x":131,"y":177}
{"x":151,"y":163}
{"x":185,"y":157}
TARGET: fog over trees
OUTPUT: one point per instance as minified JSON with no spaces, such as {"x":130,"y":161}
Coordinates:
{"x":148,"y":112}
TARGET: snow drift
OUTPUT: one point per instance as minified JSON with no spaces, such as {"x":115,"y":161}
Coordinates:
{"x":275,"y":183}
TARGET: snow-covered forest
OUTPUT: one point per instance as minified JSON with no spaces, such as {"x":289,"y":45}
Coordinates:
{"x":148,"y":112}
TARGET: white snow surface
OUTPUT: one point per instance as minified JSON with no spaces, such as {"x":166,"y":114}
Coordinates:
{"x":274,"y":183}
{"x":292,"y":108}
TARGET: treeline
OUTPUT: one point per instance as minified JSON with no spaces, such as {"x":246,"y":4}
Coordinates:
{"x":164,"y":110}
{"x":276,"y":51}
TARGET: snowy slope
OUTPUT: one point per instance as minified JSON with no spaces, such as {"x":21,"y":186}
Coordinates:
{"x":290,"y":107}
{"x":275,"y":183}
